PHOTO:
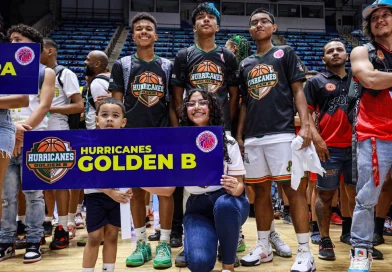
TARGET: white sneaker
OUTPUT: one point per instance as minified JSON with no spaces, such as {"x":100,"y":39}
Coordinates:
{"x":79,"y":221}
{"x":304,"y":262}
{"x":71,"y":230}
{"x":257,"y":255}
{"x":280,"y":247}
{"x":361,"y":260}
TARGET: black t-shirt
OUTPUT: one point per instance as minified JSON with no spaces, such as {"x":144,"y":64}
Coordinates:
{"x":145,"y":97}
{"x":327,"y":94}
{"x":265,"y":84}
{"x":211,"y":71}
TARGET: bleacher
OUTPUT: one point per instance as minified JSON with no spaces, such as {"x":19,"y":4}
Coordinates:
{"x":309,"y":47}
{"x":171,"y":40}
{"x":77,"y":38}
{"x":358,"y":34}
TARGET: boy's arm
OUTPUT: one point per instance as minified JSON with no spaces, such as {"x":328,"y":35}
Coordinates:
{"x":76,"y":106}
{"x":14,"y":101}
{"x":178,"y":99}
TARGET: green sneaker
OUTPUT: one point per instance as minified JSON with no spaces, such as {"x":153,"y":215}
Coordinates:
{"x":163,"y":256}
{"x":141,"y":255}
{"x":241,"y":244}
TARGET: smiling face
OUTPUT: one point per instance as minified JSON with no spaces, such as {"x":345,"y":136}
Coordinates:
{"x":261,"y":27}
{"x":381,"y":23}
{"x":205,"y":24}
{"x":110,"y":116}
{"x":144,"y":33}
{"x":335,"y":54}
{"x":197,"y":110}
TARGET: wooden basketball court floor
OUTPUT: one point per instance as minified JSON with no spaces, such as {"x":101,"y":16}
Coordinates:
{"x":70,"y":259}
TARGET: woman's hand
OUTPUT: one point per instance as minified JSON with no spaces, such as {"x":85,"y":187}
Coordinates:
{"x":20,"y":129}
{"x":120,"y":197}
{"x":232,"y":185}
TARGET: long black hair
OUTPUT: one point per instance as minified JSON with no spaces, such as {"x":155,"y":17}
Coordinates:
{"x":216,"y":116}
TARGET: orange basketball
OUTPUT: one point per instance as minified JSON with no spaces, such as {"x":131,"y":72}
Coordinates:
{"x":207,"y":66}
{"x":51,"y":145}
{"x":259,"y":70}
{"x":149,"y":78}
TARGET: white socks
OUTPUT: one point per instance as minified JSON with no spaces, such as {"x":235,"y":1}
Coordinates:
{"x":63,"y":220}
{"x":71,"y":218}
{"x":88,"y":269}
{"x":303,"y":239}
{"x":22,"y":218}
{"x":108,"y":267}
{"x":165,"y":235}
{"x":48,"y":219}
{"x":263,"y":237}
{"x":141,"y":234}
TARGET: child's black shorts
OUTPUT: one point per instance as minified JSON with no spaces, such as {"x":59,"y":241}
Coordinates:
{"x":100,"y":211}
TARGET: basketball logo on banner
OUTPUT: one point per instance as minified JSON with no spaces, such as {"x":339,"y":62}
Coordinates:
{"x":24,"y":55}
{"x":50,"y":159}
{"x":206,"y":141}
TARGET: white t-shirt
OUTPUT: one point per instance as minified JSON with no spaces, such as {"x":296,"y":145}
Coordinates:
{"x":234,"y":168}
{"x":98,"y":87}
{"x":20,"y":115}
{"x":62,"y":97}
{"x":270,"y":139}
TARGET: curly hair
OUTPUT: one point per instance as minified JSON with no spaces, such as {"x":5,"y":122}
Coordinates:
{"x":208,"y":8}
{"x":216,"y":116}
{"x":143,"y":16}
{"x":242,"y":45}
{"x":28,"y":32}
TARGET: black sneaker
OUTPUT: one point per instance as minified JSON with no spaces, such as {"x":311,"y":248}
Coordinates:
{"x":21,"y":243}
{"x":33,"y":253}
{"x":155,"y":237}
{"x":346,"y":238}
{"x":48,"y":228}
{"x":21,"y":229}
{"x":180,"y":259}
{"x":175,"y":240}
{"x":378,"y":239}
{"x":326,"y":249}
{"x":6,"y":251}
{"x":60,"y":238}
{"x":377,"y":254}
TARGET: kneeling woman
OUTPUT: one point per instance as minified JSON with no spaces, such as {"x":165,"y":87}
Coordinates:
{"x":216,"y":213}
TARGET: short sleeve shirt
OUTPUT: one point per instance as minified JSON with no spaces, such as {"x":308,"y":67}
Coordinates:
{"x":213,"y":71}
{"x":265,"y":85}
{"x":145,"y":98}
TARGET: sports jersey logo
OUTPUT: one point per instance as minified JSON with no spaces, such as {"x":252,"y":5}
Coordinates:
{"x":380,"y":54}
{"x":279,"y":54}
{"x":206,"y":141}
{"x":148,"y":88}
{"x":24,"y":55}
{"x":50,"y":159}
{"x":261,"y":79}
{"x":330,"y":87}
{"x":207,"y":75}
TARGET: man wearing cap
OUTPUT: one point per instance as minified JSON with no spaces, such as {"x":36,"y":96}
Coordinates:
{"x":371,"y":67}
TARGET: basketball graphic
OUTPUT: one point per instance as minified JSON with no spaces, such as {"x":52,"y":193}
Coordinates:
{"x":51,"y":145}
{"x":50,"y":159}
{"x":24,"y":55}
{"x":148,"y":88}
{"x":206,"y":141}
{"x":207,"y":66}
{"x":330,"y":87}
{"x":206,"y":75}
{"x":261,"y":79}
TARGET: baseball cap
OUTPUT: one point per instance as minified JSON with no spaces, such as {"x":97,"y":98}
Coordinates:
{"x":376,"y":5}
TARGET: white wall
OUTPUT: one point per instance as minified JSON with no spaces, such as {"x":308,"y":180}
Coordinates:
{"x":163,"y":19}
{"x":284,"y":23}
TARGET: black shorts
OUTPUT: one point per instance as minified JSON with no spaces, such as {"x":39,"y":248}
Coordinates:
{"x":100,"y":211}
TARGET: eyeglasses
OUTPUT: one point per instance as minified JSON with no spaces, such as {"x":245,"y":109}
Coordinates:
{"x":192,"y":104}
{"x":263,"y":21}
{"x":383,"y":16}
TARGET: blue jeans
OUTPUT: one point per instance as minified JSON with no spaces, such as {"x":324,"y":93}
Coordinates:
{"x":367,"y":194}
{"x":210,"y":218}
{"x":35,"y":206}
{"x":7,"y":134}
{"x":339,"y":163}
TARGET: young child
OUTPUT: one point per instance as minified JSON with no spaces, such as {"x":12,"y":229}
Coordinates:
{"x":103,"y":218}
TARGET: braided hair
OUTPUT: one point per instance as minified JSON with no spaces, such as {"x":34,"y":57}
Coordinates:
{"x":216,"y":116}
{"x":243,"y":48}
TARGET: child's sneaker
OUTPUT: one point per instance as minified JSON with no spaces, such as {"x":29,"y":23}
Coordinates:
{"x":6,"y":251}
{"x":162,"y":256}
{"x":140,"y":255}
{"x":79,"y":221}
{"x":360,"y":260}
{"x":33,"y":253}
{"x":60,"y":239}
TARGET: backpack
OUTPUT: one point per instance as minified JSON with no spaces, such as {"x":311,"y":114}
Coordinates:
{"x":355,"y":91}
{"x":73,"y":119}
{"x":183,"y":59}
{"x":89,"y":96}
{"x":126,"y":64}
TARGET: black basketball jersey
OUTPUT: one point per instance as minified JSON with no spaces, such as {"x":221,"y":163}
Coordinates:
{"x":213,"y":71}
{"x":265,"y":84}
{"x":145,"y":97}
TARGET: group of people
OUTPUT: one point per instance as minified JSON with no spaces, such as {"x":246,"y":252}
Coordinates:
{"x":347,"y":116}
